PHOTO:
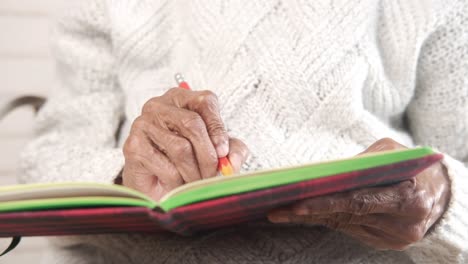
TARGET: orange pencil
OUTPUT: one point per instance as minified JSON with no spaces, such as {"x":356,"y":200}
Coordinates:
{"x":224,"y":165}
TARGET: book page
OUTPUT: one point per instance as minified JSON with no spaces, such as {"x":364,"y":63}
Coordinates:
{"x":66,"y":190}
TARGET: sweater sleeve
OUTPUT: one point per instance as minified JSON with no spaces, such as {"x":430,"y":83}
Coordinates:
{"x":75,"y":130}
{"x":438,"y":116}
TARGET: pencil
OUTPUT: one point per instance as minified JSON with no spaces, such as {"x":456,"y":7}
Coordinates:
{"x":224,"y":165}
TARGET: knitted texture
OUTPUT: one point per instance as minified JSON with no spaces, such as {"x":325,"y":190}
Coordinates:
{"x":298,"y":81}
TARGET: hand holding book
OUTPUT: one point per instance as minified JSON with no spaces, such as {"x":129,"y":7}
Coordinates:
{"x":90,"y":208}
{"x":389,"y":217}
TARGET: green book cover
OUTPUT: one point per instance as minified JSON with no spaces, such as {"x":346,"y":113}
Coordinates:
{"x":73,"y":195}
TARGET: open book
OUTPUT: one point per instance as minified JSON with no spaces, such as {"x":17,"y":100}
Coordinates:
{"x":87,"y":208}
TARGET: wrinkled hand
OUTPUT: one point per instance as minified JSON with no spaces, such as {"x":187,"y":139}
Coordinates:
{"x":177,"y":139}
{"x":390,"y":217}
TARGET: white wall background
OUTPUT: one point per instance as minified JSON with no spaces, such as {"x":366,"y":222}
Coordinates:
{"x":25,"y":67}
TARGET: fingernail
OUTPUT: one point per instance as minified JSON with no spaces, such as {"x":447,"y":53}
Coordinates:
{"x":278,"y":217}
{"x":301,"y":211}
{"x":222,"y":149}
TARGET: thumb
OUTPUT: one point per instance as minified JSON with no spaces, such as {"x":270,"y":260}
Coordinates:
{"x":383,"y":144}
{"x":238,"y":153}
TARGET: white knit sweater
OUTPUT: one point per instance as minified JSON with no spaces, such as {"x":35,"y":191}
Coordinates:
{"x":297,"y":80}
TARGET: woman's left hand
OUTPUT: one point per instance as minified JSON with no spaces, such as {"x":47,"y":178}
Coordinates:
{"x":390,"y":217}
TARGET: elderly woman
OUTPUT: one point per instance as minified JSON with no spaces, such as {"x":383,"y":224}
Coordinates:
{"x":295,"y":81}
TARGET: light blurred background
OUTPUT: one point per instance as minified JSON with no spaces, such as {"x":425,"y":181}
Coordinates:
{"x":26,"y":67}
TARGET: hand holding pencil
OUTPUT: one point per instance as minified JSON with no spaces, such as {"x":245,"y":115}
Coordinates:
{"x":224,"y":165}
{"x":179,"y":138}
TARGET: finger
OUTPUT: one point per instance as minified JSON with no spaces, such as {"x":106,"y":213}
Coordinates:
{"x":400,"y":230}
{"x":280,"y":216}
{"x":335,"y":221}
{"x":360,"y":202}
{"x":191,"y":126}
{"x":338,"y":222}
{"x":404,"y":230}
{"x":331,"y":222}
{"x":148,"y":166}
{"x":238,"y":153}
{"x":176,"y":148}
{"x":375,"y":238}
{"x":367,"y":229}
{"x":205,"y":103}
{"x":379,"y":221}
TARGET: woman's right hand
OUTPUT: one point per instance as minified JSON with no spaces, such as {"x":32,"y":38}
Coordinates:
{"x":177,"y":139}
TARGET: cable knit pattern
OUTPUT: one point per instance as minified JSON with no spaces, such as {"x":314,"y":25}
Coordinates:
{"x":297,"y":80}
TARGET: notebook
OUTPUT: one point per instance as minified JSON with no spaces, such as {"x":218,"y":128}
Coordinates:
{"x":91,"y":208}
